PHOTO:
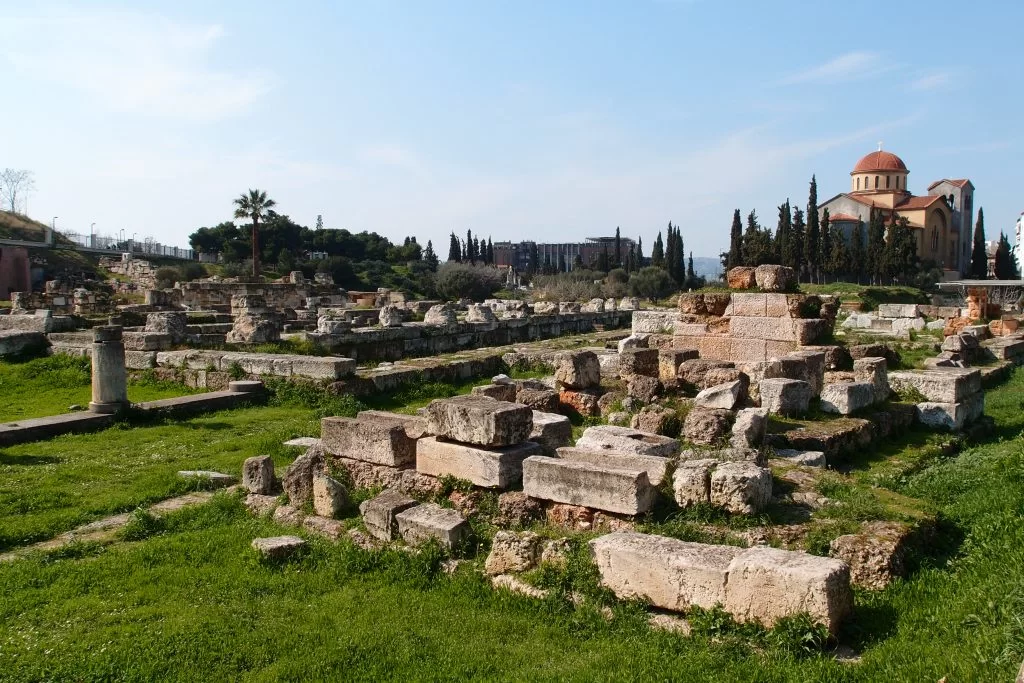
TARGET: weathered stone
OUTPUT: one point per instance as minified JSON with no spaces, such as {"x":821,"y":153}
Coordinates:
{"x":785,"y":396}
{"x":545,"y":308}
{"x":898,"y":310}
{"x":298,"y":478}
{"x":692,"y":372}
{"x":277,"y":547}
{"x":845,"y":398}
{"x":259,"y":504}
{"x":478,"y":313}
{"x":951,"y":385}
{"x":741,"y":277}
{"x":706,"y":425}
{"x":951,"y":416}
{"x":441,"y":314}
{"x":479,"y":420}
{"x":634,"y":341}
{"x":172,"y":323}
{"x":289,"y":515}
{"x":638,"y":362}
{"x":556,"y":552}
{"x":324,"y":526}
{"x":691,"y":482}
{"x":578,"y":370}
{"x":569,"y":307}
{"x":570,"y":516}
{"x":655,"y":419}
{"x":905,"y":325}
{"x":495,"y":467}
{"x":727,"y":396}
{"x":741,"y":487}
{"x":499,"y":392}
{"x":379,"y":513}
{"x":629,"y":303}
{"x":415,"y":426}
{"x":577,"y":483}
{"x":875,"y":371}
{"x":330,"y":496}
{"x":749,"y":428}
{"x":391,"y":316}
{"x":369,"y":440}
{"x":892,"y":358}
{"x":515,"y":508}
{"x":431,"y":521}
{"x":669,"y":361}
{"x":626,"y":440}
{"x":250,"y":328}
{"x":543,"y":400}
{"x":643,"y":388}
{"x":875,"y":554}
{"x":512,"y":552}
{"x":774,"y":278}
{"x":550,"y":431}
{"x":814,"y":368}
{"x":593,"y":306}
{"x":804,"y":458}
{"x":258,"y":474}
{"x":655,"y":466}
{"x":215,"y":479}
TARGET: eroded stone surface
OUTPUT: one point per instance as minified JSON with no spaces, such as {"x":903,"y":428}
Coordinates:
{"x":277,"y":547}
{"x":429,"y":520}
{"x":512,"y":552}
{"x":379,"y":513}
{"x":626,"y":440}
{"x":330,"y":496}
{"x":655,"y":466}
{"x":298,"y":478}
{"x":258,"y":474}
{"x":578,"y":483}
{"x":488,"y":467}
{"x":785,"y":396}
{"x":479,"y":420}
{"x":577,"y":370}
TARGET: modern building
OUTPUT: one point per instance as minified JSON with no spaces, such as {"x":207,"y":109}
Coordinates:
{"x":560,"y":255}
{"x":941,"y":220}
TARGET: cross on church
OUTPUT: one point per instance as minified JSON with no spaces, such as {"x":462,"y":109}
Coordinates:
{"x":879,"y":145}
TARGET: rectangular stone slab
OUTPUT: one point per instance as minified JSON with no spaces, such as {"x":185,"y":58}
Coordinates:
{"x":424,"y":522}
{"x":379,"y":513}
{"x":845,"y":398}
{"x":369,"y":441}
{"x":551,"y":431}
{"x":479,"y":420}
{"x":671,"y":574}
{"x":489,"y":467}
{"x":623,"y":491}
{"x":415,"y":425}
{"x":626,"y":440}
{"x":951,"y":385}
{"x":655,"y":466}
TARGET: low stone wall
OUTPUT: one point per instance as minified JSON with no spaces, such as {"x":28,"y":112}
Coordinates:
{"x":412,"y":340}
{"x":212,"y":295}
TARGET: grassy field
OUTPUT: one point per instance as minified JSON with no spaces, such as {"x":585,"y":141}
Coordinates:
{"x":190,"y":602}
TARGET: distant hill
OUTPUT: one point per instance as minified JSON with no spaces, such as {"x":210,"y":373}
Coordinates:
{"x":18,"y":227}
{"x":707,"y":266}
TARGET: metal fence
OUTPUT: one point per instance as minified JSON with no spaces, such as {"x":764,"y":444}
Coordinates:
{"x":146,"y":247}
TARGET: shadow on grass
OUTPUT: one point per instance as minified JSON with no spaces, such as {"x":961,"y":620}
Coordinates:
{"x":29,"y":459}
{"x":871,"y":624}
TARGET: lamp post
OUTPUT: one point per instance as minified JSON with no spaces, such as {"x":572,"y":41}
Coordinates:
{"x":92,"y":240}
{"x":133,"y":240}
{"x":53,"y":229}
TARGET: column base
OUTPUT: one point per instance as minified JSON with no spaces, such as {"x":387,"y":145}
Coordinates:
{"x":107,"y":408}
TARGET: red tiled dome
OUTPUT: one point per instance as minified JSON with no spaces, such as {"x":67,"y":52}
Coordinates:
{"x":879,"y":161}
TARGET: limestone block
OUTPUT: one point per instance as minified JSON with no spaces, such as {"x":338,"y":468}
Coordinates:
{"x":653,"y":419}
{"x":415,"y":426}
{"x":691,"y":482}
{"x":749,"y":305}
{"x":544,"y":400}
{"x":655,"y":466}
{"x":480,"y":420}
{"x":748,"y":430}
{"x":638,"y":362}
{"x":670,"y":574}
{"x":391,"y":316}
{"x":626,"y":440}
{"x":289,"y":515}
{"x":584,"y":402}
{"x":496,"y":467}
{"x":577,"y":370}
{"x":324,"y":526}
{"x":741,"y":277}
{"x":368,"y":440}
{"x":773,"y":278}
{"x":634,"y":341}
{"x":627,"y":492}
{"x":845,"y":398}
{"x":593,"y":306}
{"x":298,"y":478}
{"x":766,"y":584}
{"x":499,"y":392}
{"x":215,"y":479}
{"x":875,"y":554}
{"x":950,"y":385}
{"x":545,"y":308}
{"x":258,"y":474}
{"x":898,"y":310}
{"x":550,"y":431}
{"x":568,"y":307}
{"x":692,"y":373}
{"x":804,"y":458}
{"x":330,"y":496}
{"x":905,"y":325}
{"x":419,"y":524}
{"x":669,"y":361}
{"x":750,"y":327}
{"x":277,"y":547}
{"x":512,"y":552}
{"x":741,"y":487}
{"x":441,"y":314}
{"x":379,"y":513}
{"x":814,"y":368}
{"x":259,"y":504}
{"x":951,"y":416}
{"x":706,"y":425}
{"x":478,"y":313}
{"x":785,"y":396}
{"x":643,"y":388}
{"x":727,"y":396}
{"x":873,"y":370}
{"x":808,"y":331}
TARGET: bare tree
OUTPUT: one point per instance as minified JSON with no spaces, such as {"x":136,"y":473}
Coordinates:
{"x":15,"y":184}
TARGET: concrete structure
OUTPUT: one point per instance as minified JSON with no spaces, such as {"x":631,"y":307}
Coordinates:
{"x":109,"y":377}
{"x":559,"y":256}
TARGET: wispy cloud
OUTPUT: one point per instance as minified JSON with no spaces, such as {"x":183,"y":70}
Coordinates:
{"x":850,"y":66}
{"x":130,"y":62}
{"x":936,"y":80}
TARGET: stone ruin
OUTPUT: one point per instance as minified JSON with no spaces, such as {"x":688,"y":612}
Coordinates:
{"x":65,"y":297}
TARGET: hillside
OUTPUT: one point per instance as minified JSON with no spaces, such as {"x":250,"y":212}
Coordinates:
{"x":19,"y":227}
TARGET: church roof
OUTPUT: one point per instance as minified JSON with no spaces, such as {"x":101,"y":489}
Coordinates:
{"x":879,"y":161}
{"x":958,"y":182}
{"x":843,"y":217}
{"x":913,"y":202}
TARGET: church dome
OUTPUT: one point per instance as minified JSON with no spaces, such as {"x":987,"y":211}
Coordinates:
{"x":879,"y":161}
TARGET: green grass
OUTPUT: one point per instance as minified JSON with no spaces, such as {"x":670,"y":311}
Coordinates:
{"x":47,"y":386}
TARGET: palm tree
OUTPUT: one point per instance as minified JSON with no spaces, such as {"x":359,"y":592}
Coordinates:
{"x":254,"y":206}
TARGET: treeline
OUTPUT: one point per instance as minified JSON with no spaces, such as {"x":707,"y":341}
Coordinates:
{"x":472,"y":250}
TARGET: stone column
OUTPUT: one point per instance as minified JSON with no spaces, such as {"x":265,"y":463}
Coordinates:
{"x":109,"y":379}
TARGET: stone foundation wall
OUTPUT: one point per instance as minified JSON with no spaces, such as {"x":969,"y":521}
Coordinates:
{"x":210,"y":295}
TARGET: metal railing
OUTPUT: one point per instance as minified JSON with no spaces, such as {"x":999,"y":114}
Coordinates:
{"x":146,"y":247}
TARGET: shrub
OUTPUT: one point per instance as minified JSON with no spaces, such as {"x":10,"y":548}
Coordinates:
{"x":651,"y":283}
{"x":191,"y":271}
{"x":166,"y":277}
{"x":578,"y":285}
{"x":461,"y":280}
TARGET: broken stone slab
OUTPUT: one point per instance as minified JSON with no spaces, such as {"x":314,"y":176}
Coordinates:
{"x":260,"y":504}
{"x":626,"y":440}
{"x":550,"y":431}
{"x":669,"y":361}
{"x":277,"y":547}
{"x":873,"y":369}
{"x":898,"y":310}
{"x":634,"y":341}
{"x":785,"y":396}
{"x":749,"y":428}
{"x":726,"y":396}
{"x":628,"y":492}
{"x":215,"y":479}
{"x":324,"y":526}
{"x":512,"y":552}
{"x":846,"y":398}
{"x":950,"y":385}
{"x":655,"y":466}
{"x":814,"y":363}
{"x":499,"y":392}
{"x":369,"y":440}
{"x":543,"y":400}
{"x":298,"y":478}
{"x":258,"y":474}
{"x":419,"y":524}
{"x":577,"y":370}
{"x":330,"y":496}
{"x":301,"y":442}
{"x":875,"y":553}
{"x":741,"y":487}
{"x":951,"y":416}
{"x":488,"y":467}
{"x":691,"y":482}
{"x":774,"y":278}
{"x":379,"y":513}
{"x":415,"y":425}
{"x":798,"y":457}
{"x":638,"y":361}
{"x":707,"y":426}
{"x":479,"y":420}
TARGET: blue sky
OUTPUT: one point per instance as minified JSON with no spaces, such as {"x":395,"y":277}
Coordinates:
{"x":538,"y":120}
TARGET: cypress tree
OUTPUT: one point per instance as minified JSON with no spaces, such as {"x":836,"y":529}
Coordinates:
{"x":979,"y":259}
{"x":735,"y":257}
{"x":796,"y":238}
{"x":857,"y":252}
{"x":429,"y":257}
{"x":454,"y":251}
{"x":658,"y":252}
{"x":618,"y":248}
{"x":838,"y":259}
{"x":1006,"y":262}
{"x":639,"y":252}
{"x":751,"y":248}
{"x":691,"y":275}
{"x":825,"y":252}
{"x":811,"y":246}
{"x":782,"y":234}
{"x":490,"y":252}
{"x":875,"y":256}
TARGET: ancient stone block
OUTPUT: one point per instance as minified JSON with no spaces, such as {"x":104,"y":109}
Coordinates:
{"x":741,"y":277}
{"x":415,"y":426}
{"x":258,"y":474}
{"x":804,"y":458}
{"x":330,"y":496}
{"x":785,"y":396}
{"x":727,"y":396}
{"x":875,"y":554}
{"x":277,"y":547}
{"x":898,"y":310}
{"x":478,"y":313}
{"x":550,"y":431}
{"x":298,"y":478}
{"x":499,"y":392}
{"x":578,"y":483}
{"x":515,"y":508}
{"x":845,"y":398}
{"x":215,"y":479}
{"x":479,"y":420}
{"x":638,"y":362}
{"x":289,"y":515}
{"x":950,"y":385}
{"x":441,"y":314}
{"x":512,"y":552}
{"x":577,"y":370}
{"x":773,"y":278}
{"x":749,"y":428}
{"x":655,"y":466}
{"x":874,"y":371}
{"x":424,"y":522}
{"x":379,"y":513}
{"x":951,"y":416}
{"x":586,"y":403}
{"x":814,"y":368}
{"x":634,"y":341}
{"x":749,"y":304}
{"x":653,"y":419}
{"x":692,"y":372}
{"x":669,"y":361}
{"x":706,"y":425}
{"x":368,"y":440}
{"x":324,"y":526}
{"x":496,"y":467}
{"x":643,"y":388}
{"x":750,"y":327}
{"x":741,"y":487}
{"x":543,"y":400}
{"x":691,"y":482}
{"x":626,"y":440}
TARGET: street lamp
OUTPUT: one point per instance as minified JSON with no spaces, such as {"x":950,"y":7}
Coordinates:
{"x":133,"y":240}
{"x":92,"y":240}
{"x":53,"y":229}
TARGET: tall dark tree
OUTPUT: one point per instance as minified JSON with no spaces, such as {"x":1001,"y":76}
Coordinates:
{"x":782,"y":234}
{"x":658,"y":252}
{"x":901,"y":262}
{"x":839,"y":257}
{"x":858,"y":253}
{"x":811,"y":240}
{"x":875,"y":261}
{"x":255,"y":205}
{"x":562,"y":267}
{"x":1006,"y":262}
{"x":691,"y":275}
{"x":796,"y":238}
{"x":454,"y":249}
{"x":979,"y":258}
{"x":758,"y":246}
{"x":639,"y":252}
{"x":825,"y":248}
{"x":490,"y":252}
{"x":735,"y":257}
{"x":631,"y":259}
{"x":618,"y":248}
{"x":430,"y":258}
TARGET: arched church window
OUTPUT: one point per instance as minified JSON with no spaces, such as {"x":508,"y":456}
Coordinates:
{"x":887,"y":181}
{"x":935,"y":239}
{"x":876,"y":182}
{"x":858,"y":182}
{"x":897,"y":182}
